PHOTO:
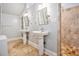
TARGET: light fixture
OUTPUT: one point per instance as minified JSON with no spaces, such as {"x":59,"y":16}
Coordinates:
{"x":42,"y":6}
{"x":25,"y":14}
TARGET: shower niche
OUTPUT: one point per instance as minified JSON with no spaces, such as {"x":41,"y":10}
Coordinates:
{"x":70,"y":31}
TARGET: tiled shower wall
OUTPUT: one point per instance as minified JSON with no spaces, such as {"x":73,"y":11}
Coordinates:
{"x":70,"y":31}
{"x":10,"y":25}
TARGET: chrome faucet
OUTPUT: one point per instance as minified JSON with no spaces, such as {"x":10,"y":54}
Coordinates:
{"x":42,"y":29}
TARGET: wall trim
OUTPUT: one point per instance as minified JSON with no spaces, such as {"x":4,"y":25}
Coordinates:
{"x":33,"y":44}
{"x":12,"y":39}
{"x":48,"y":52}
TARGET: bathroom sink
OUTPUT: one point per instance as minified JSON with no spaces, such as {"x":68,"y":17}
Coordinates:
{"x":24,"y":30}
{"x":41,"y":32}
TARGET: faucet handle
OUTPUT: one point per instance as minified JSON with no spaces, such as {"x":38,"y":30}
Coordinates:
{"x":42,"y":28}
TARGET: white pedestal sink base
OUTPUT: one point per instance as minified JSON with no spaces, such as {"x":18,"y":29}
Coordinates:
{"x":24,"y":38}
{"x":25,"y":34}
{"x":41,"y":47}
{"x":39,"y":35}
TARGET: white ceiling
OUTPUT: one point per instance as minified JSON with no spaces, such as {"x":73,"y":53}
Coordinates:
{"x":12,"y":8}
{"x":18,"y":8}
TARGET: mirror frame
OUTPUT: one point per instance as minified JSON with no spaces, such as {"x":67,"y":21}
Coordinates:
{"x":42,"y":16}
{"x":25,"y":22}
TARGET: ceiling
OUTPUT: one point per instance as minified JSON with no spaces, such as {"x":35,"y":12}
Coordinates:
{"x":13,"y":8}
{"x":18,"y":8}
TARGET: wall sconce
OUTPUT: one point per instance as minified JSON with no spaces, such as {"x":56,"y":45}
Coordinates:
{"x":26,"y":14}
{"x":42,"y":6}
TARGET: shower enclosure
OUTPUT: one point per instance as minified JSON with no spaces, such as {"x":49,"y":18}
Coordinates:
{"x":9,"y":22}
{"x":70,"y":31}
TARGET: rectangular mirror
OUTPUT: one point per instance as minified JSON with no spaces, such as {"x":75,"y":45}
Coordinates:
{"x":42,"y":16}
{"x":25,"y":22}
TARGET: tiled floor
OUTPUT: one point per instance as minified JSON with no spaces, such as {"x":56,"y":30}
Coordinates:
{"x":67,"y":50}
{"x":16,"y":48}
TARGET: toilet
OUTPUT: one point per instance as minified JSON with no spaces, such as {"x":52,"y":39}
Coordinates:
{"x":3,"y":46}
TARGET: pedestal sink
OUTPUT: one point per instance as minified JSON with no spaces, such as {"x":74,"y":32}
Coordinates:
{"x":25,"y":35}
{"x":40,"y":37}
{"x":41,"y":32}
{"x":41,"y":40}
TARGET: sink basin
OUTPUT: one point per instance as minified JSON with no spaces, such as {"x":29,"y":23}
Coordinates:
{"x":41,"y":32}
{"x":24,"y":30}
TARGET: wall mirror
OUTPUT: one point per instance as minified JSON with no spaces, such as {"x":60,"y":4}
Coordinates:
{"x":42,"y":16}
{"x":25,"y":22}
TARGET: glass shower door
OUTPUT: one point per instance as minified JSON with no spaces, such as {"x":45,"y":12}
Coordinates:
{"x":70,"y":31}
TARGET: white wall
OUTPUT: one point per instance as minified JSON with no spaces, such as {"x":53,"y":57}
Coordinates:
{"x":10,"y":25}
{"x":0,"y":17}
{"x":52,"y":27}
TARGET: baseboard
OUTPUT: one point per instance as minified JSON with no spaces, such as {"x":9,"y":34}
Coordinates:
{"x":33,"y":44}
{"x":12,"y":39}
{"x":48,"y":52}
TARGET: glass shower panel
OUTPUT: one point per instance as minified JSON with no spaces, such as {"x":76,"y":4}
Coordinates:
{"x":70,"y":31}
{"x":9,"y":23}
